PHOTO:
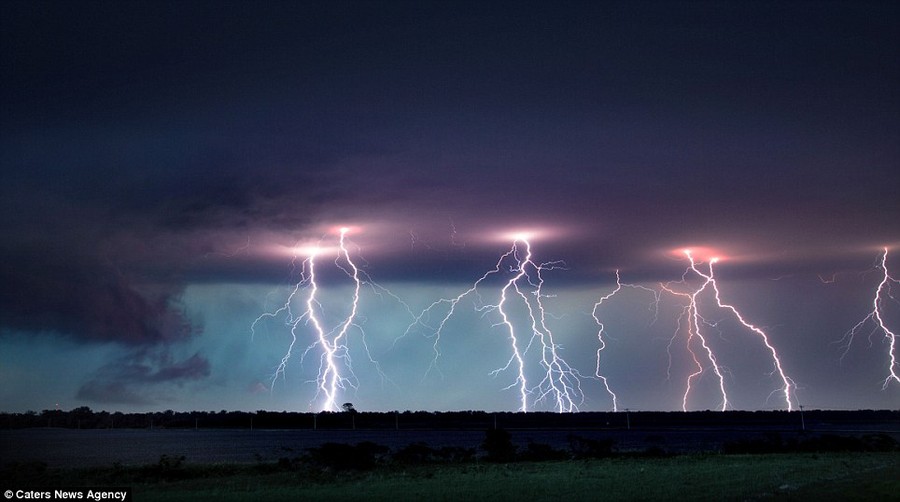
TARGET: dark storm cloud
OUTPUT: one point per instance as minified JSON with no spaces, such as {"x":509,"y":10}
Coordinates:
{"x":143,"y":142}
{"x":49,"y":288}
{"x":137,"y":378}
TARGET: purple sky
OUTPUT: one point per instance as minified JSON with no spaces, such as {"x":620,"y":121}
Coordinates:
{"x":162,"y":161}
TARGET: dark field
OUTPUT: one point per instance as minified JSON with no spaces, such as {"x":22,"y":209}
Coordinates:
{"x":790,"y":476}
{"x":86,"y":440}
{"x":705,"y":456}
{"x":97,"y":448}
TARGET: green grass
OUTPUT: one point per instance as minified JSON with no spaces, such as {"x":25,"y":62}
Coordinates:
{"x":862,"y":476}
{"x":829,"y":476}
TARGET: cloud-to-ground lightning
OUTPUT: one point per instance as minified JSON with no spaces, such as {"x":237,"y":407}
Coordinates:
{"x":335,"y":372}
{"x":695,"y":319}
{"x":787,"y":384}
{"x":510,"y":297}
{"x":330,"y":378}
{"x":559,"y":383}
{"x":692,"y":313}
{"x":516,"y":356}
{"x":600,"y":333}
{"x":287,"y":310}
{"x":876,"y":316}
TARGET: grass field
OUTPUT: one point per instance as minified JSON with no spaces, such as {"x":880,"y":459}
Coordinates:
{"x":830,"y":476}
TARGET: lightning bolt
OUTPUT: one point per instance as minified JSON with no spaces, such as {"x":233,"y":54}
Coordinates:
{"x":694,"y":333}
{"x":876,"y":316}
{"x":787,"y":383}
{"x":560,"y":383}
{"x":330,"y":379}
{"x":520,"y":272}
{"x":423,"y":319}
{"x":692,"y":312}
{"x":335,"y":373}
{"x":307,"y":281}
{"x":602,"y":328}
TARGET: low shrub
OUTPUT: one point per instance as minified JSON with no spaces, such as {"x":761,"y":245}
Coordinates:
{"x":582,"y":447}
{"x":499,"y":446}
{"x":339,"y":456}
{"x":538,"y":452}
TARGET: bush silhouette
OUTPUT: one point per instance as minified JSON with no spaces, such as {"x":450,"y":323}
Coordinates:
{"x":340,"y":456}
{"x":538,"y":452}
{"x":499,"y":446}
{"x":415,"y":453}
{"x":590,"y":448}
{"x":456,"y":454}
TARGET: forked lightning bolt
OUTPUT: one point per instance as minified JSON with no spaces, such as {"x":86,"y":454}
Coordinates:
{"x":694,"y":333}
{"x":695,"y":319}
{"x":330,"y":379}
{"x":513,"y":340}
{"x":335,"y":364}
{"x":559,"y":383}
{"x":511,"y":294}
{"x":787,"y":383}
{"x":287,"y":311}
{"x":600,"y":337}
{"x":876,"y":315}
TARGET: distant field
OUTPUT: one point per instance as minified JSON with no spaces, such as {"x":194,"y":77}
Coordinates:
{"x":64,"y":448}
{"x":831,"y":476}
{"x":715,"y":477}
{"x":656,"y":456}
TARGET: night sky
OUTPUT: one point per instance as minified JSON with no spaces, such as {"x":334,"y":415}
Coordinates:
{"x":166,"y":166}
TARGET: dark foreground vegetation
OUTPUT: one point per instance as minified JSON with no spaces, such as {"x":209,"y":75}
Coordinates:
{"x":824,"y":455}
{"x":818,"y":467}
{"x":85,"y":418}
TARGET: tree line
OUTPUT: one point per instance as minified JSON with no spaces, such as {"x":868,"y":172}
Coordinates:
{"x":85,"y":418}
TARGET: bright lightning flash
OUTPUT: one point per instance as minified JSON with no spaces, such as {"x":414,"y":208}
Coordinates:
{"x":876,"y":315}
{"x":559,"y":382}
{"x":694,"y":333}
{"x":695,"y":319}
{"x":335,"y":372}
